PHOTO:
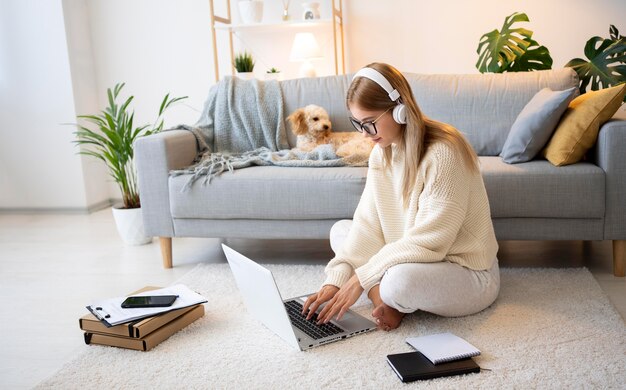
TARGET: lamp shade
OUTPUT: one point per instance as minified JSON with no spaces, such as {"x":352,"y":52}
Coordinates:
{"x":305,"y":48}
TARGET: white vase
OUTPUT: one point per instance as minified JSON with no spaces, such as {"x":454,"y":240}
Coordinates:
{"x":251,"y":11}
{"x":129,"y":224}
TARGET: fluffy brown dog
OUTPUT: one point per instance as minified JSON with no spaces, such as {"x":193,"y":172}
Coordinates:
{"x":312,"y":126}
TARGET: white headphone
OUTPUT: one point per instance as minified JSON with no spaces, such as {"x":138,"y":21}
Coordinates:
{"x":399,"y":111}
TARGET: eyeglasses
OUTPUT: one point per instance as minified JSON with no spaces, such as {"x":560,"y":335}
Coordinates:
{"x":368,"y":126}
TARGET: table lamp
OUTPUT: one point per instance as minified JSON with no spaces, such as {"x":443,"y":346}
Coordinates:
{"x":305,"y":49}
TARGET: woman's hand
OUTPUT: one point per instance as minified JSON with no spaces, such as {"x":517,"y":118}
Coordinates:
{"x":314,"y":301}
{"x":342,"y":300}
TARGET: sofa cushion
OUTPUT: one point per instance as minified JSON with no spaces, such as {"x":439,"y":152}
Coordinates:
{"x":482,"y":106}
{"x":271,"y":193}
{"x":538,"y":189}
{"x":327,"y":92}
{"x":534,"y":125}
{"x":578,"y":129}
{"x":535,"y":189}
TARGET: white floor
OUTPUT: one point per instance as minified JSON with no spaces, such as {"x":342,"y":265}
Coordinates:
{"x":51,"y":266}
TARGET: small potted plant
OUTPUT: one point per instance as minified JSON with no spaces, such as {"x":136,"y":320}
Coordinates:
{"x":112,"y":142}
{"x":272,"y":74}
{"x":244,"y":64}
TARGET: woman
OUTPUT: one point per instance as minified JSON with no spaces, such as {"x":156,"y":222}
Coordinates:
{"x":421,"y":237}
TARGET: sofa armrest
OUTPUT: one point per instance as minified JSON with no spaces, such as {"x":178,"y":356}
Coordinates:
{"x":610,"y":156}
{"x":155,"y":156}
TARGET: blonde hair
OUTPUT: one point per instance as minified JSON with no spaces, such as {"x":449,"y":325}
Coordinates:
{"x":417,"y":134}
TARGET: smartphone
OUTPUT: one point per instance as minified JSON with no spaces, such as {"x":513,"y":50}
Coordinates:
{"x":149,"y":301}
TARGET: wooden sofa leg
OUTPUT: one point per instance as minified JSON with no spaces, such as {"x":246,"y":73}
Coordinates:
{"x":166,"y":251}
{"x":619,"y":257}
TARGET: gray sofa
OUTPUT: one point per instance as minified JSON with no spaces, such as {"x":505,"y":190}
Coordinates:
{"x":529,"y":201}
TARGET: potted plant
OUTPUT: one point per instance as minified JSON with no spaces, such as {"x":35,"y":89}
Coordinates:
{"x":112,"y":142}
{"x":272,"y":74}
{"x":244,"y":64}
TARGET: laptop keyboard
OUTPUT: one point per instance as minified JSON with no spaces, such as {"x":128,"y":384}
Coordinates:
{"x":310,"y":327}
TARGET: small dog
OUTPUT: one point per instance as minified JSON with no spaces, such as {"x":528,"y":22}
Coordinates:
{"x":312,"y":126}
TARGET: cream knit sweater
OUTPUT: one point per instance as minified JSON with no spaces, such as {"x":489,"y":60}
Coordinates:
{"x":448,"y":219}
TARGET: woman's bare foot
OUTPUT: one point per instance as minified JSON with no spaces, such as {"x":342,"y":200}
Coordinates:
{"x":387,"y":318}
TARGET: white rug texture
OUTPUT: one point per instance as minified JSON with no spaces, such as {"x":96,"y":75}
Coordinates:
{"x":549,"y":328}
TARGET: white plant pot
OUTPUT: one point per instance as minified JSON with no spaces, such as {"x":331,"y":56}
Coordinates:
{"x":130,"y":225}
{"x":273,"y":76}
{"x":251,"y":11}
{"x":245,"y":75}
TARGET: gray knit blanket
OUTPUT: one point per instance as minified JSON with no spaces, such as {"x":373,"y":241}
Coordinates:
{"x":243,"y":115}
{"x":242,"y":125}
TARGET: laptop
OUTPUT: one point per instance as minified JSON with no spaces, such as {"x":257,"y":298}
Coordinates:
{"x":284,"y":317}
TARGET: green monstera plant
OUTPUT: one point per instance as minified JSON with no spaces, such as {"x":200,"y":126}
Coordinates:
{"x":606,"y":62}
{"x":511,"y":49}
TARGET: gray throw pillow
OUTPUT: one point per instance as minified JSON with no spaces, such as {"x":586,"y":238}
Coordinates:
{"x":535,"y":124}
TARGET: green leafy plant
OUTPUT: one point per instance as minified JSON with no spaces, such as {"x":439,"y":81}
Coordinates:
{"x":112,"y":141}
{"x":606,"y":62}
{"x":273,"y":70}
{"x":511,"y":49}
{"x":244,"y":62}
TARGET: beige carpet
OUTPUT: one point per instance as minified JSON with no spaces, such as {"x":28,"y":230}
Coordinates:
{"x":548,"y":329}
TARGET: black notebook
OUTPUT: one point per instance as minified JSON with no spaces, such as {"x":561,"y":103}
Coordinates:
{"x":413,"y":366}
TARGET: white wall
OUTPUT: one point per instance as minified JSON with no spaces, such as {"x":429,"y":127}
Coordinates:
{"x":83,"y":71}
{"x":156,"y":47}
{"x":442,"y":36}
{"x":39,"y":167}
{"x":160,"y":46}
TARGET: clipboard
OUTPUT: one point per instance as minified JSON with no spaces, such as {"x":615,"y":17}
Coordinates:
{"x":111,"y":313}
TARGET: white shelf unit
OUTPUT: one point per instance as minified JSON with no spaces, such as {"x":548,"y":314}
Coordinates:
{"x":273,"y":26}
{"x":226,"y":24}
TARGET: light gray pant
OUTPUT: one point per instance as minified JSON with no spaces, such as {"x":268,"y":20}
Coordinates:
{"x":443,"y":288}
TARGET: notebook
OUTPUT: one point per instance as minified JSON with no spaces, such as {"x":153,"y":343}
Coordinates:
{"x":412,"y":366}
{"x":443,"y":347}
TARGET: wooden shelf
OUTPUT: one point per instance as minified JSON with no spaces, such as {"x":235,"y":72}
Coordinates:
{"x":273,"y":26}
{"x":225,"y":24}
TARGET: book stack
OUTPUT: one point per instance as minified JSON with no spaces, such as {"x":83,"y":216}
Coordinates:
{"x":436,"y":355}
{"x":141,"y":334}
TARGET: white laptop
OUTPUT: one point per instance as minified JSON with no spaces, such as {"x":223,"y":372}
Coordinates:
{"x":263,"y":301}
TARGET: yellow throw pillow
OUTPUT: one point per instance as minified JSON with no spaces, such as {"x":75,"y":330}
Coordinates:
{"x":578,"y":129}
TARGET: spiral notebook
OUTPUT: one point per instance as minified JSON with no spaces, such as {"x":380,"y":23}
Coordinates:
{"x":443,"y":347}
